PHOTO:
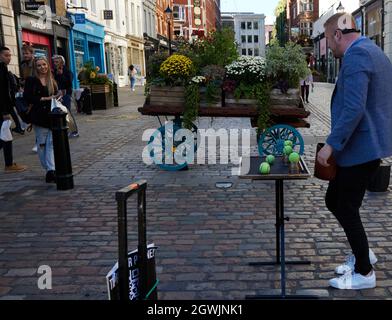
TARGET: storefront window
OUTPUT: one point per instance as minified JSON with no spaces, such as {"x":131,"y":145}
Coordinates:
{"x":79,"y":54}
{"x":373,"y":23}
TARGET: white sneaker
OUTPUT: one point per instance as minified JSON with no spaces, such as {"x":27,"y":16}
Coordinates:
{"x":34,"y":149}
{"x":354,"y":281}
{"x":349,"y":264}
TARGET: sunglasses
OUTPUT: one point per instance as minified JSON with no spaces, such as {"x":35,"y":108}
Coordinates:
{"x":346,"y":31}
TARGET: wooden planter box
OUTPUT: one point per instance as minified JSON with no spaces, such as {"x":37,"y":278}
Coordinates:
{"x":291,"y":98}
{"x":231,"y":101}
{"x":101,"y":96}
{"x":167,"y":96}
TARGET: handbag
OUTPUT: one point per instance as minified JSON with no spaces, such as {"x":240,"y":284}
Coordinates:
{"x":321,"y":172}
{"x":57,"y":104}
{"x":5,"y":132}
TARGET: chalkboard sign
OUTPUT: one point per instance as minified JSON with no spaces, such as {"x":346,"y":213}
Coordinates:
{"x":112,"y":277}
{"x":108,"y":14}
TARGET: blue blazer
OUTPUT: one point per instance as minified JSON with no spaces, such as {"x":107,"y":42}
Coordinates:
{"x":361,"y":106}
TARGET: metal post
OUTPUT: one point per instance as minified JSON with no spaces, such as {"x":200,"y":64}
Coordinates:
{"x":62,"y":156}
{"x":170,"y":48}
{"x":123,"y":248}
{"x":142,"y":243}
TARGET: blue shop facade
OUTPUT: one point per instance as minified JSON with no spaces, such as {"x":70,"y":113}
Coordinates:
{"x":86,"y":43}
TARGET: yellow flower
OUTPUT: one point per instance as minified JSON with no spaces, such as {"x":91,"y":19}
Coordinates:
{"x":97,"y":68}
{"x":92,"y":75}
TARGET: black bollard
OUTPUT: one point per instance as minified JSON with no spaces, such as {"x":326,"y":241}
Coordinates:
{"x":115,"y":94}
{"x":87,"y":102}
{"x":62,"y":156}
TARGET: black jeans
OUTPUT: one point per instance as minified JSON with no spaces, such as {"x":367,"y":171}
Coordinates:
{"x":7,"y":148}
{"x":344,"y":198}
{"x":305,"y":93}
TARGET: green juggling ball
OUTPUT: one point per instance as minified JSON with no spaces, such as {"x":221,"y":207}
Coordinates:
{"x":264,"y":168}
{"x":288,"y":143}
{"x":270,"y":159}
{"x":294,"y":157}
{"x":287,"y":150}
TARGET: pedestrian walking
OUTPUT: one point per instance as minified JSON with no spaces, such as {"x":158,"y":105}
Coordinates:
{"x":361,"y":122}
{"x":26,"y":68}
{"x":132,"y":72}
{"x":305,"y":84}
{"x":39,"y":91}
{"x":13,"y":87}
{"x":64,"y":77}
{"x":5,"y":114}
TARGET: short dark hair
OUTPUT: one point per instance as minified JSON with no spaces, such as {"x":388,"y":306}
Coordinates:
{"x":4,"y":49}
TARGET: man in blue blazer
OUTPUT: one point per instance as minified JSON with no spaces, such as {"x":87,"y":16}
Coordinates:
{"x":361,"y":134}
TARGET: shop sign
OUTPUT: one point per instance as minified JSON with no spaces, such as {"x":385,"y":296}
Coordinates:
{"x":108,"y":14}
{"x":80,"y":18}
{"x":33,"y":5}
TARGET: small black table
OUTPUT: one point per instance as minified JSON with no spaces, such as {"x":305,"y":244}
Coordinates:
{"x":279,"y":172}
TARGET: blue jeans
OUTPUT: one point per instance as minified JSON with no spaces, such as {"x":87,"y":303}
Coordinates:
{"x":67,"y":99}
{"x":44,"y":140}
{"x":133,"y":82}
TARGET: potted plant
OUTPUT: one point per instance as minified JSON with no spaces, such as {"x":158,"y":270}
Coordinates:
{"x":285,"y":66}
{"x":100,"y":86}
{"x":211,"y":86}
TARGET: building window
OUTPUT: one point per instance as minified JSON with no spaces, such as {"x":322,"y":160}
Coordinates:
{"x":133,"y":31}
{"x":93,"y":6}
{"x":249,"y":39}
{"x":257,"y":52}
{"x":256,"y":25}
{"x":306,"y":5}
{"x":118,"y":18}
{"x":178,"y":13}
{"x":83,"y":3}
{"x":256,"y":39}
{"x":243,"y":25}
{"x":249,"y":25}
{"x":250,"y":52}
{"x":244,"y":52}
{"x":306,"y":28}
{"x":243,"y":39}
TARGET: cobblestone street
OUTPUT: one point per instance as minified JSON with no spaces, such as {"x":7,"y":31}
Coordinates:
{"x":205,"y":235}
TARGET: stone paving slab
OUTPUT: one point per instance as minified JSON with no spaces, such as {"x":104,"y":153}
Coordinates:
{"x":206,"y":236}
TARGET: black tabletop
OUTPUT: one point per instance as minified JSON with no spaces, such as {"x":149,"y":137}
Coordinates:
{"x":279,"y":169}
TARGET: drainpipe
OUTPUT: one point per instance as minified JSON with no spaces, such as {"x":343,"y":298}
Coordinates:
{"x":16,"y":6}
{"x":382,"y":24}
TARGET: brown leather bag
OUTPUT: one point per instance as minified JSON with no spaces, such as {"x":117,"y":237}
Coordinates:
{"x":321,"y":172}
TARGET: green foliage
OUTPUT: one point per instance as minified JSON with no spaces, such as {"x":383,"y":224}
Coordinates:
{"x":212,"y":92}
{"x":192,"y":101}
{"x":287,"y":63}
{"x":261,"y":93}
{"x":153,"y":64}
{"x":217,"y":48}
{"x":90,"y":75}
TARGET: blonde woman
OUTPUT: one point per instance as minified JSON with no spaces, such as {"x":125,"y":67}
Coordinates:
{"x":39,"y":91}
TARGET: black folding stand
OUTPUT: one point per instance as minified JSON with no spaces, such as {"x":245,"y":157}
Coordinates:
{"x":279,"y":173}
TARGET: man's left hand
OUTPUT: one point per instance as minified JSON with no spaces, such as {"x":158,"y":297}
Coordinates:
{"x":324,"y":154}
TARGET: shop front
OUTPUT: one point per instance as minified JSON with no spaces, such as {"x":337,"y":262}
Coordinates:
{"x":136,"y":54}
{"x":86,"y":44}
{"x":116,"y":58}
{"x":38,"y":34}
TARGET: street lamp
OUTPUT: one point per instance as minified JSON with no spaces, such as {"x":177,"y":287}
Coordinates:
{"x":168,"y":13}
{"x":340,"y":7}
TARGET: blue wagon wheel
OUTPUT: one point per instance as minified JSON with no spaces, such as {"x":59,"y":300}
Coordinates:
{"x":272,"y":140}
{"x":157,"y":142}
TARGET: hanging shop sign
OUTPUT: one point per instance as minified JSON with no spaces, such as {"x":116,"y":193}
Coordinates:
{"x":33,"y":5}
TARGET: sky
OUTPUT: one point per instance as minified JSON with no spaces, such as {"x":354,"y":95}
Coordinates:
{"x":266,"y":7}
